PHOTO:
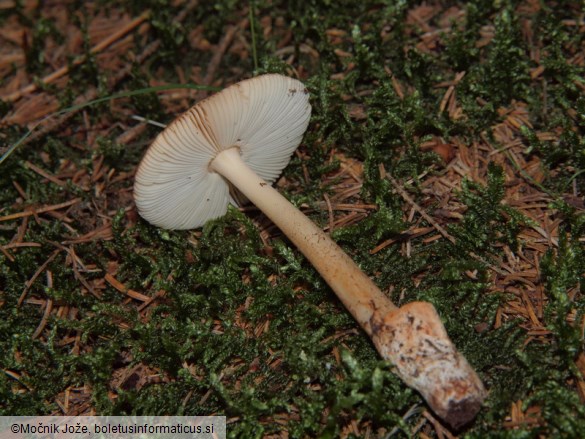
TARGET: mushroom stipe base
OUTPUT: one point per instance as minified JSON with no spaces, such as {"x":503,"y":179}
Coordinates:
{"x":415,"y":341}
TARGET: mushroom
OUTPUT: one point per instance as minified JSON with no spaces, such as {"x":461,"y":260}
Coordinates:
{"x":236,"y":143}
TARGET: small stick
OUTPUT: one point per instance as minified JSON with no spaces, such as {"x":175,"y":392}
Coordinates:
{"x":21,"y":244}
{"x":330,"y":211}
{"x":8,"y":255}
{"x":218,"y":55}
{"x":31,"y":281}
{"x":45,"y":174}
{"x":157,"y":295}
{"x":119,"y":286}
{"x":76,"y":261}
{"x":48,"y":309}
{"x":40,"y":210}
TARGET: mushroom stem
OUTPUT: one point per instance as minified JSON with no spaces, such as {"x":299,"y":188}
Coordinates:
{"x":411,"y":337}
{"x":356,"y":290}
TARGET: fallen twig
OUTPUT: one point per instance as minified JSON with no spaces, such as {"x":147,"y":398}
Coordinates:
{"x":48,"y":309}
{"x":33,"y":211}
{"x":31,"y":281}
{"x":119,"y":286}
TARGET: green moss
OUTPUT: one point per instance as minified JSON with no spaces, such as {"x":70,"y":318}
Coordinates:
{"x":487,"y":222}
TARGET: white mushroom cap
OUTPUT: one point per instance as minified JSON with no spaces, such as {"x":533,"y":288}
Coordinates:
{"x":265,"y":117}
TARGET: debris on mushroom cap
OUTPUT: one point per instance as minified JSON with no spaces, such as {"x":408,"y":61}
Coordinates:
{"x":265,"y":117}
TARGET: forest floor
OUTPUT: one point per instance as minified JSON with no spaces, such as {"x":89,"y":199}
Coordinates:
{"x":445,"y":154}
